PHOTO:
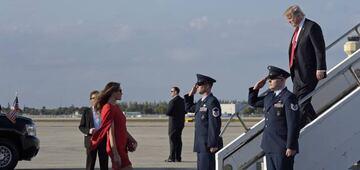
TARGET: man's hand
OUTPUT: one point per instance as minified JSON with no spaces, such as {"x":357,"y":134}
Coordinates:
{"x":92,"y":131}
{"x":320,"y":74}
{"x":260,"y":84}
{"x":290,"y":152}
{"x":193,"y":90}
{"x":213,"y":150}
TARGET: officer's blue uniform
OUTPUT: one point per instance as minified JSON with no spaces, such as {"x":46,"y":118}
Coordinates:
{"x":282,"y":118}
{"x":207,"y":126}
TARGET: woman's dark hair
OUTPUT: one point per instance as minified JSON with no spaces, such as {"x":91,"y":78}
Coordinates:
{"x":105,"y":94}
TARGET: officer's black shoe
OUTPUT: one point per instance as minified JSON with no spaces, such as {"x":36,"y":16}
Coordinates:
{"x":177,"y":160}
{"x":169,"y":160}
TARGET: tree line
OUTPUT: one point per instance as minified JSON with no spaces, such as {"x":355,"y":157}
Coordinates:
{"x":142,"y":107}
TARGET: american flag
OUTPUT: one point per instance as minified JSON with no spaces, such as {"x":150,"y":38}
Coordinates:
{"x":14,"y":109}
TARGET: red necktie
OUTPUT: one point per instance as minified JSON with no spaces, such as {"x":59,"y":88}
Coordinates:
{"x":293,"y":44}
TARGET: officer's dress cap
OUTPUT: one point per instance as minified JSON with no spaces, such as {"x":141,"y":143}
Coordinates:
{"x":275,"y":72}
{"x":202,"y":79}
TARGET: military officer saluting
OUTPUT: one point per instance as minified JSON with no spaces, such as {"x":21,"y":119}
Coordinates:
{"x":282,"y":118}
{"x":207,"y":122}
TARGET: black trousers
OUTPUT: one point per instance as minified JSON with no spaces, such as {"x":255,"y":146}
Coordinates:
{"x":175,"y":144}
{"x":307,"y":111}
{"x":279,"y":161}
{"x":205,"y":161}
{"x":103,"y":157}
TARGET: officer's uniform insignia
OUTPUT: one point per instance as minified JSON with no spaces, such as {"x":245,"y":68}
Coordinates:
{"x":216,"y":112}
{"x":202,"y":117}
{"x":203,"y":109}
{"x":279,"y":105}
{"x":294,"y":107}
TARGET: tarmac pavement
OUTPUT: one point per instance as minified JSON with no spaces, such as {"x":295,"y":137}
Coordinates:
{"x":62,"y":146}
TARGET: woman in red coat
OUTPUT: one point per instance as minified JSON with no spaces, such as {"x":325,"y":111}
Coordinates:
{"x":113,"y":125}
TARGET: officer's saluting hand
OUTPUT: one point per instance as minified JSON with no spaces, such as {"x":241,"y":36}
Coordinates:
{"x":260,"y":84}
{"x":193,"y":90}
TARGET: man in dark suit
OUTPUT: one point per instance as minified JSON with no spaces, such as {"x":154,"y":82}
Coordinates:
{"x":176,"y":113}
{"x":282,"y":118}
{"x":90,"y":122}
{"x":207,"y":122}
{"x":306,"y":58}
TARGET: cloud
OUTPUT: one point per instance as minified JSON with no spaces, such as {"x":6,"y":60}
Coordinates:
{"x":199,"y":23}
{"x":185,"y":54}
{"x":121,"y":33}
{"x":15,"y":29}
{"x":231,"y":21}
{"x":246,"y":22}
{"x":80,"y":22}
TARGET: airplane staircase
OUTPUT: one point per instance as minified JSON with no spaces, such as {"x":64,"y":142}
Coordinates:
{"x":330,"y":142}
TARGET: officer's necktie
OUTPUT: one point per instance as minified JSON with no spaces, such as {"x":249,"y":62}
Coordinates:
{"x":273,"y":94}
{"x":293,"y":44}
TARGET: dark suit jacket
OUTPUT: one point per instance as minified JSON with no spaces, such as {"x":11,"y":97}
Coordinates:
{"x":282,"y":119}
{"x":86,"y":123}
{"x":176,"y":113}
{"x":309,"y":55}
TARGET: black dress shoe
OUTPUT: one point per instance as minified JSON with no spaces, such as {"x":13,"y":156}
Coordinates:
{"x":177,"y":160}
{"x":169,"y":160}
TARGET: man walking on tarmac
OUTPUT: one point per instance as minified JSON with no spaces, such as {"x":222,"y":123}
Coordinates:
{"x":89,"y":123}
{"x":207,"y":122}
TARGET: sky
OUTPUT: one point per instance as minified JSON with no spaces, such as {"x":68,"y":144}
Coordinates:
{"x":53,"y":53}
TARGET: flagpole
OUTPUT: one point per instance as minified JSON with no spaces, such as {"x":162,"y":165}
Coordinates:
{"x":17,"y":99}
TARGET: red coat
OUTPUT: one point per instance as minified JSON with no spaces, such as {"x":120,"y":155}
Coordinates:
{"x":112,"y":113}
